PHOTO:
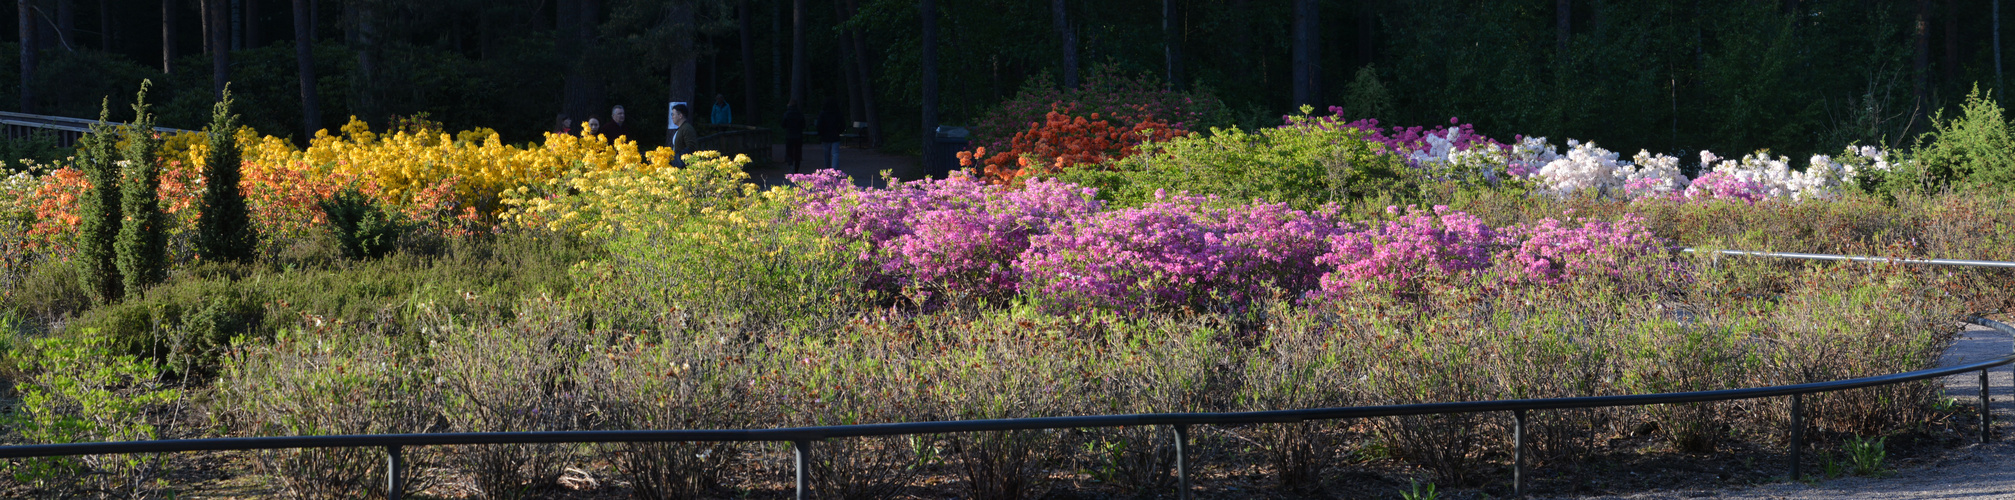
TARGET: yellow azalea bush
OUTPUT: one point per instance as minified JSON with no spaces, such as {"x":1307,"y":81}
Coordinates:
{"x":440,"y":181}
{"x":649,"y":196}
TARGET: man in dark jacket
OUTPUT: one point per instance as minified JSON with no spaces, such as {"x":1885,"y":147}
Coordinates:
{"x":616,"y":128}
{"x":794,"y":136}
{"x":684,"y":139}
{"x":829,"y":132}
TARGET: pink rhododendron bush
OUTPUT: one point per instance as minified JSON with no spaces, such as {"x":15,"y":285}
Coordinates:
{"x":1055,"y":243}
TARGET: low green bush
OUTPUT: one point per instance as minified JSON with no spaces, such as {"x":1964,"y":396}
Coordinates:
{"x":82,"y":389}
{"x":362,"y":228}
{"x":185,"y":323}
{"x":763,"y":270}
{"x":1973,"y":150}
{"x":1305,"y":166}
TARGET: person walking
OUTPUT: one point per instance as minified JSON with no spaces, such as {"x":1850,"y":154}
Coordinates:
{"x":829,"y":132}
{"x":684,"y":139}
{"x":592,"y":127}
{"x":722,"y":114}
{"x":794,"y":137}
{"x":615,"y":128}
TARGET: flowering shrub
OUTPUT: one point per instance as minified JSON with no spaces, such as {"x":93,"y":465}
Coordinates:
{"x":1052,"y":244}
{"x":1726,"y":186}
{"x":1553,"y":251}
{"x":1306,"y":165}
{"x":1063,"y":140}
{"x":1179,"y":251}
{"x":957,"y":233}
{"x":1104,"y":92}
{"x":1418,"y":145}
{"x":53,"y":199}
{"x":653,"y":196}
{"x":1396,"y":253}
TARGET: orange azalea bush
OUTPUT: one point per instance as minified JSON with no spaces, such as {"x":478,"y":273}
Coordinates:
{"x":1063,"y":140}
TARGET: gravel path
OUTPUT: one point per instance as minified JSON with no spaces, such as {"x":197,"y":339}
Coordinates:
{"x":1978,"y":471}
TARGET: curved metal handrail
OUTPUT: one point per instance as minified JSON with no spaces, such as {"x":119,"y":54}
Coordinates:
{"x":797,"y":434}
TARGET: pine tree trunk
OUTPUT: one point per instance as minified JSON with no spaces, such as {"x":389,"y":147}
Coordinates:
{"x":1307,"y":54}
{"x":868,"y":109}
{"x":567,"y":38}
{"x":777,"y":54}
{"x":684,"y":70}
{"x":1951,"y":63}
{"x":304,"y":56}
{"x":1060,"y":19}
{"x":1367,"y":32}
{"x":105,"y":28}
{"x":220,"y":44}
{"x":929,"y":104}
{"x":167,"y":36}
{"x":252,"y":39}
{"x":363,"y":40}
{"x":1171,"y":45}
{"x":203,"y":17}
{"x":1920,"y":65}
{"x":748,"y":39}
{"x":1563,"y":14}
{"x":798,"y":52}
{"x":844,"y":50}
{"x":28,"y":54}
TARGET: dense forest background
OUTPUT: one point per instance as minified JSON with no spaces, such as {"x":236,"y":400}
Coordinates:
{"x":1673,"y":76}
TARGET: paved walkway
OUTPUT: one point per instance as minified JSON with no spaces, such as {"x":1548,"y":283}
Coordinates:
{"x":1977,"y":471}
{"x":863,"y":165}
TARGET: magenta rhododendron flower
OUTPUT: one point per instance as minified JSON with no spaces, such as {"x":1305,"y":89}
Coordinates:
{"x":1053,"y":243}
{"x":1553,"y":251}
{"x":1397,"y":252}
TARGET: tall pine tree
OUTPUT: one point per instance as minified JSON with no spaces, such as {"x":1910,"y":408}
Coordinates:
{"x":143,"y":243}
{"x":224,"y":232}
{"x":99,"y":209}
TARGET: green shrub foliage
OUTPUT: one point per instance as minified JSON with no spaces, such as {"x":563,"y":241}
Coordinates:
{"x":142,"y":245}
{"x":225,"y":231}
{"x":1304,"y":166}
{"x":362,"y":228}
{"x":1972,"y":150}
{"x":99,"y":213}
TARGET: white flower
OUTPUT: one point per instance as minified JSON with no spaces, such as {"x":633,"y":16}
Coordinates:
{"x":1586,"y":167}
{"x":1649,"y":174}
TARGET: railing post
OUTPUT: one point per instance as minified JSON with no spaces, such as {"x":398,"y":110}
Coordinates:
{"x":395,"y":473}
{"x":1797,"y":432}
{"x":1182,"y":460}
{"x":800,"y":449}
{"x":1986,"y":416}
{"x":1518,"y":453}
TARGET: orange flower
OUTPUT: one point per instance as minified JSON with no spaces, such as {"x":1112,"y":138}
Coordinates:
{"x":1062,"y":141}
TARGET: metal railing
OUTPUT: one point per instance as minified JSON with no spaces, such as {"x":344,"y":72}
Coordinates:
{"x":801,"y":438}
{"x":1860,"y":258}
{"x":67,"y":131}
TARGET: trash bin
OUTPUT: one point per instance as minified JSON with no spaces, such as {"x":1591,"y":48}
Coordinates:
{"x":945,"y":147}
